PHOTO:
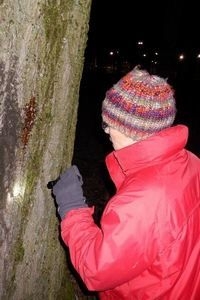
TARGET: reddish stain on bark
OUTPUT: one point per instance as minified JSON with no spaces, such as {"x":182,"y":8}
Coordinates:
{"x":29,"y":119}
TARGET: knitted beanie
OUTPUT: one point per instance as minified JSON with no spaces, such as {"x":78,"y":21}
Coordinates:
{"x":139,"y":105}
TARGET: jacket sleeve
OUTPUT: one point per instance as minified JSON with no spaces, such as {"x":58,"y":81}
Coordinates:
{"x":121,"y":249}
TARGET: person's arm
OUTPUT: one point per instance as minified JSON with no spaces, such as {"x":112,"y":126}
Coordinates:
{"x":120,"y":250}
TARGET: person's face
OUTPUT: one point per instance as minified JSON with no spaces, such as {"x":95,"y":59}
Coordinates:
{"x":118,"y":139}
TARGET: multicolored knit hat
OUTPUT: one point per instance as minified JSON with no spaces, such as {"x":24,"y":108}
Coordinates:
{"x":139,"y":105}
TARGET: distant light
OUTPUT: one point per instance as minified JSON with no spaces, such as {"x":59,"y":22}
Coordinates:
{"x":156,"y":53}
{"x":111,"y":53}
{"x":198,"y":55}
{"x":144,"y":55}
{"x":181,"y":57}
{"x":140,"y":42}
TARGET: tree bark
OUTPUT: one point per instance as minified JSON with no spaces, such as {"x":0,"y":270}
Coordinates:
{"x":42,"y":47}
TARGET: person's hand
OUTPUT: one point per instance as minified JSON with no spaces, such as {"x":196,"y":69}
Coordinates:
{"x":68,"y":191}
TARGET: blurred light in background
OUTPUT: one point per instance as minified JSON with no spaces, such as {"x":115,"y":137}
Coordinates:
{"x":181,"y":57}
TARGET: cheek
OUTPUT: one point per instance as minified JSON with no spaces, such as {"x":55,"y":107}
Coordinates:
{"x":114,"y":136}
{"x":114,"y":141}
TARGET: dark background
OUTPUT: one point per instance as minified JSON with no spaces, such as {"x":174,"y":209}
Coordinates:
{"x":169,"y":28}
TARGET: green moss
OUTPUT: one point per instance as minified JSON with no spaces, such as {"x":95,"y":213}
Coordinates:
{"x":19,"y":250}
{"x":55,"y":25}
{"x":18,"y":255}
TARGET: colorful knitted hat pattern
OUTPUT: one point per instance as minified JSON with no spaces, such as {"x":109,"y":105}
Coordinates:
{"x":139,"y":105}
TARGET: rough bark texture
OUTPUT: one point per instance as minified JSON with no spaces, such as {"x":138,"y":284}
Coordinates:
{"x":41,"y":61}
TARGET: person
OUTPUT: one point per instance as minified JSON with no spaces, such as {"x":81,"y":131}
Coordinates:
{"x":148,"y":242}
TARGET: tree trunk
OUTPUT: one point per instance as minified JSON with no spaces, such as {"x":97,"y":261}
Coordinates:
{"x":41,"y":61}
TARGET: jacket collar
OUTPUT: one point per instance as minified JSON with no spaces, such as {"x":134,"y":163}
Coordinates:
{"x":145,"y":153}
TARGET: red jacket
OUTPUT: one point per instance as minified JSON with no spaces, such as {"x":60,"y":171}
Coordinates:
{"x":148,"y":246}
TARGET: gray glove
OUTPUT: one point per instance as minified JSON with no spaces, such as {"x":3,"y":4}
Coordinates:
{"x":68,"y":191}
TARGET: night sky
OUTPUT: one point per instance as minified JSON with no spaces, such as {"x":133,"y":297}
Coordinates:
{"x":171,"y":24}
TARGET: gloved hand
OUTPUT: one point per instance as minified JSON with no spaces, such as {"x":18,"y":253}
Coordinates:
{"x":68,"y":191}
